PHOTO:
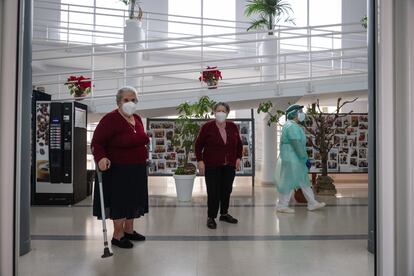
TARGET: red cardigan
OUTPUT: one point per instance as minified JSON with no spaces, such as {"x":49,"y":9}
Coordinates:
{"x":114,"y":138}
{"x":211,"y":149}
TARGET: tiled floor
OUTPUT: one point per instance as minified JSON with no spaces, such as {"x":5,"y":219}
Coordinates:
{"x":332,"y":241}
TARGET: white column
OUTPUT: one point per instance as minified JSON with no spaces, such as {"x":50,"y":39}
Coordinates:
{"x":269,"y":148}
{"x":395,"y":135}
{"x":9,"y":49}
{"x":133,"y":32}
{"x":404,"y":135}
{"x":269,"y":139}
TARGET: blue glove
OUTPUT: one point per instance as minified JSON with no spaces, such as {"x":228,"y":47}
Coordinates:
{"x":308,"y":164}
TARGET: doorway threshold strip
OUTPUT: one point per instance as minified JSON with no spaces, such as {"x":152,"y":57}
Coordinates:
{"x":205,"y":205}
{"x":213,"y":238}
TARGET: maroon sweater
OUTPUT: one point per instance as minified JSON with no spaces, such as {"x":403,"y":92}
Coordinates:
{"x":211,"y":149}
{"x":114,"y":138}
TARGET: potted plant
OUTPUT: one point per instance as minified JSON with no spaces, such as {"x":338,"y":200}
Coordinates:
{"x":211,"y":76}
{"x":269,"y":12}
{"x":134,"y":38}
{"x":266,"y":14}
{"x":79,"y":86}
{"x":135,"y":11}
{"x":324,"y":131}
{"x":187,"y":129}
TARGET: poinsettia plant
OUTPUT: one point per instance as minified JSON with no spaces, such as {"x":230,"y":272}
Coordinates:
{"x":79,"y":86}
{"x":210,"y":75}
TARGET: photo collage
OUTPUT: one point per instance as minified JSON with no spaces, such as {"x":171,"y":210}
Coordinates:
{"x":350,"y":150}
{"x":165,"y":158}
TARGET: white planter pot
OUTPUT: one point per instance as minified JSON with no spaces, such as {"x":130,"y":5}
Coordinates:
{"x":184,"y":186}
{"x":133,"y":31}
{"x":269,"y":47}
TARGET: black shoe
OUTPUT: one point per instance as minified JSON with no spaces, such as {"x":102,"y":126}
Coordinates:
{"x":134,"y":236}
{"x":228,"y":218}
{"x":211,"y":223}
{"x":122,"y":243}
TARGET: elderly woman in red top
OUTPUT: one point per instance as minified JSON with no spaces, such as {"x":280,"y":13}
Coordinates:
{"x":119,"y":147}
{"x":219,"y":150}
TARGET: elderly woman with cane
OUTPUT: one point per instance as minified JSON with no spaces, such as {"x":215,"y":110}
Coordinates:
{"x":119,"y":148}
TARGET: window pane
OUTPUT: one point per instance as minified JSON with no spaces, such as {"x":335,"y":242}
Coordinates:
{"x":299,"y":14}
{"x":179,"y":26}
{"x":213,"y":16}
{"x":323,"y":12}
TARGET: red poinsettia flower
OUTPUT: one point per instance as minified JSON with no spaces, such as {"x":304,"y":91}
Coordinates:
{"x":84,"y":82}
{"x":79,"y":86}
{"x":210,"y":74}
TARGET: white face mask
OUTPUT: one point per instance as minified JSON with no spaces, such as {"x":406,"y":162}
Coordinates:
{"x":129,"y":108}
{"x":301,"y":116}
{"x":221,"y":116}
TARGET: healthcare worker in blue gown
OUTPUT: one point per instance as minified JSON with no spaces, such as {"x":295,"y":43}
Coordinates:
{"x":293,"y":164}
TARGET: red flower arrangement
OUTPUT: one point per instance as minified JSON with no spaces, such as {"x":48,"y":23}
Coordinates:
{"x":79,"y":86}
{"x":211,"y":76}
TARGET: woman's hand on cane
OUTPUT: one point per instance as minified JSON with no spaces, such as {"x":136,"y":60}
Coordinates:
{"x":104,"y":164}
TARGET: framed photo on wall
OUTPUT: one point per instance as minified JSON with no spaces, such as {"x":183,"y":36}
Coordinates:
{"x":350,"y":151}
{"x":165,"y":158}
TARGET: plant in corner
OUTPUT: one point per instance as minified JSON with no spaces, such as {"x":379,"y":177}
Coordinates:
{"x":135,"y":11}
{"x":269,"y":13}
{"x":323,"y":133}
{"x":187,"y":129}
{"x":79,"y":86}
{"x":211,"y":76}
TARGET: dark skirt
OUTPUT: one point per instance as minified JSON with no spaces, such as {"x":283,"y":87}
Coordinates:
{"x":125,"y":189}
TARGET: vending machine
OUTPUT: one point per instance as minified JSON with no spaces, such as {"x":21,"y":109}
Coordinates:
{"x":60,"y":153}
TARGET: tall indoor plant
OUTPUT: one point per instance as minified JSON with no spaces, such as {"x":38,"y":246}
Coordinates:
{"x":269,"y":13}
{"x":187,"y":129}
{"x":266,"y":14}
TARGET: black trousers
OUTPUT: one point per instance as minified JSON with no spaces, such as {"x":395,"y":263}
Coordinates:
{"x":219,"y":181}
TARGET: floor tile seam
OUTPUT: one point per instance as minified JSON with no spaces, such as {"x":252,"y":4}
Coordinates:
{"x":205,"y":206}
{"x":201,"y":238}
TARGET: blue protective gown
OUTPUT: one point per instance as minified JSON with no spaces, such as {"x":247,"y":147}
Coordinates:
{"x":291,"y":171}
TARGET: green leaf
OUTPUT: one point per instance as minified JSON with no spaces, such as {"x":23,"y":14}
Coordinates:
{"x":269,"y":13}
{"x":264,"y":107}
{"x":258,"y":24}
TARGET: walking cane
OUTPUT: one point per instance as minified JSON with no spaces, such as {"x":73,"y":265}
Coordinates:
{"x":106,"y":253}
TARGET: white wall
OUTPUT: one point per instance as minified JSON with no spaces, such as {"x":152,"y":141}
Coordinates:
{"x":356,"y":107}
{"x":159,"y":6}
{"x":395,"y":137}
{"x":353,"y":11}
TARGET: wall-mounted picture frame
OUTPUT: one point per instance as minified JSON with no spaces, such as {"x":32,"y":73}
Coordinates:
{"x":165,"y":158}
{"x":350,"y":151}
